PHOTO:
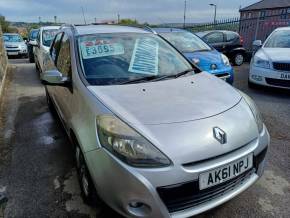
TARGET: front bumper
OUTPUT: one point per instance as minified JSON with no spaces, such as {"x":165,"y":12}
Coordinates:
{"x":226,"y":73}
{"x":268,"y":77}
{"x":16,"y":51}
{"x":120,"y":185}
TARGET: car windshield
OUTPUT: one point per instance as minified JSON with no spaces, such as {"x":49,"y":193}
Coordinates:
{"x":279,"y":39}
{"x":186,"y":41}
{"x":33,"y":34}
{"x":48,"y":36}
{"x":12,"y":38}
{"x":109,"y":59}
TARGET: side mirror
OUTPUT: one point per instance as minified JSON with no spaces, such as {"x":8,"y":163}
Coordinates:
{"x":33,"y":43}
{"x":55,"y":78}
{"x":257,"y":43}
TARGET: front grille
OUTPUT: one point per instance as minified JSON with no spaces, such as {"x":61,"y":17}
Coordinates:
{"x":8,"y":50}
{"x":278,"y":82}
{"x":187,"y":195}
{"x":281,"y":66}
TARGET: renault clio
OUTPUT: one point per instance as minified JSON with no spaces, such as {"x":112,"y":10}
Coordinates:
{"x":153,"y":136}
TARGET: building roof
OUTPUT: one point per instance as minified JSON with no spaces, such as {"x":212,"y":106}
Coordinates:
{"x":267,"y":4}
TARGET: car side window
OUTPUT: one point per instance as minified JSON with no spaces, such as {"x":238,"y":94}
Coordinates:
{"x":55,"y":47}
{"x":217,"y":37}
{"x":231,"y":36}
{"x":63,"y":62}
{"x":38,"y":38}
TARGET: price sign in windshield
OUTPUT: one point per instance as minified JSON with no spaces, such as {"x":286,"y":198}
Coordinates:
{"x":92,"y":50}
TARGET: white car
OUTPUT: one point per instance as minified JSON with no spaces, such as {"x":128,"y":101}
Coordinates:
{"x":270,"y":66}
{"x":44,"y":39}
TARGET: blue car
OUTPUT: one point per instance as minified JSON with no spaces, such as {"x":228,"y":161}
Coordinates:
{"x":198,"y":52}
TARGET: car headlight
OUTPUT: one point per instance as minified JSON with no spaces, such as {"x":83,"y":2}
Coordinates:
{"x":127,"y":144}
{"x":225,"y":60}
{"x":259,"y":62}
{"x":256,"y":113}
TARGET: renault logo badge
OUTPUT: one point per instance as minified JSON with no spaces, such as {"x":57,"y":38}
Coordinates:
{"x":220,"y":135}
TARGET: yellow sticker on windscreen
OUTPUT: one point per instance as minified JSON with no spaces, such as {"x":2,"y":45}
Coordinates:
{"x":95,"y":49}
{"x":145,"y":57}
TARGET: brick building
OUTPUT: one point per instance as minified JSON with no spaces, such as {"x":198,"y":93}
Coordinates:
{"x":260,"y":19}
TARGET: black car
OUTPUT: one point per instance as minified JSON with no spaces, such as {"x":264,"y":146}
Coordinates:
{"x":30,"y":43}
{"x":228,"y":42}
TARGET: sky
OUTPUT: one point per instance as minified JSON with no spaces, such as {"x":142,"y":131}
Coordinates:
{"x":151,"y":11}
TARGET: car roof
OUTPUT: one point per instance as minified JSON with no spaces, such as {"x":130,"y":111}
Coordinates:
{"x":15,"y":34}
{"x":49,"y":27}
{"x":168,"y":30}
{"x":203,"y":33}
{"x":283,"y":28}
{"x":95,"y":29}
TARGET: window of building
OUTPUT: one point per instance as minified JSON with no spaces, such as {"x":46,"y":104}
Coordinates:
{"x":250,"y":15}
{"x":262,"y":15}
{"x":284,"y":14}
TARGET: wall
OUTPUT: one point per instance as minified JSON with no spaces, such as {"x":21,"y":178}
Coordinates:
{"x":3,"y":65}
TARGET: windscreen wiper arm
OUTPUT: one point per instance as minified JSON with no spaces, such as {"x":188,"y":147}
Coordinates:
{"x":146,"y":78}
{"x":174,"y":75}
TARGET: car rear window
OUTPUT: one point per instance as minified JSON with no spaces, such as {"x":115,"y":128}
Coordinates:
{"x":231,"y":36}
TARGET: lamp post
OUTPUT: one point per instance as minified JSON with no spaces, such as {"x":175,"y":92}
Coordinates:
{"x":184,"y":17}
{"x":215,"y":7}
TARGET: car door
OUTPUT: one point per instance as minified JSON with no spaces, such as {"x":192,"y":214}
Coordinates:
{"x":216,"y":39}
{"x":232,"y":41}
{"x":37,"y":49}
{"x":63,"y":95}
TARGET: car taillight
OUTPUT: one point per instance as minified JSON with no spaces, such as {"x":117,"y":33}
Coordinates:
{"x":241,"y":40}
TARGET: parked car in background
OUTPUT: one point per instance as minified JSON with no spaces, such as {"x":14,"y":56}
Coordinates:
{"x":199,"y":53}
{"x":31,"y":43}
{"x":44,"y":38}
{"x":270,"y":65}
{"x":14,"y":45}
{"x":153,"y":136}
{"x":228,"y":42}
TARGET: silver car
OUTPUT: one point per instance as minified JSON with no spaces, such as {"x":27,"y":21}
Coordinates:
{"x":153,"y":135}
{"x":15,"y":45}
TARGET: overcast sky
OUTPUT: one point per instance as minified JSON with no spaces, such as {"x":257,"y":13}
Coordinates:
{"x":152,"y":11}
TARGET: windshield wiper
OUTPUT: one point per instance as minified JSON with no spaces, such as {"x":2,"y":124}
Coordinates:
{"x":201,"y":50}
{"x":175,"y":76}
{"x":146,"y":78}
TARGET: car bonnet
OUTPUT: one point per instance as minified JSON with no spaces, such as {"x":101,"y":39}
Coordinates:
{"x":176,"y":100}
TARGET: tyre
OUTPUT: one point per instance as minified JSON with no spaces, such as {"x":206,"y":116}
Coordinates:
{"x":49,"y":102}
{"x":88,"y":191}
{"x":31,"y":59}
{"x":239,"y":59}
{"x":36,"y":66}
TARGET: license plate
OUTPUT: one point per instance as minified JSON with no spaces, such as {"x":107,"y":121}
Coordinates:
{"x":12,"y":53}
{"x":285,"y":76}
{"x":226,"y":172}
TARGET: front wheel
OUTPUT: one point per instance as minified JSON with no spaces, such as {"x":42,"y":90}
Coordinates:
{"x":88,"y":190}
{"x":239,"y":59}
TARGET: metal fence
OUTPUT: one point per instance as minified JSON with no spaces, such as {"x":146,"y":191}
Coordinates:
{"x":225,"y":24}
{"x":258,"y":27}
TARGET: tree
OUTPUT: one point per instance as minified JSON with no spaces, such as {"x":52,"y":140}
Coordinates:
{"x":128,"y":22}
{"x":4,"y":24}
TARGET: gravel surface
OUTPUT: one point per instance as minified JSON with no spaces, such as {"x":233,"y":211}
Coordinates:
{"x":37,"y":173}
